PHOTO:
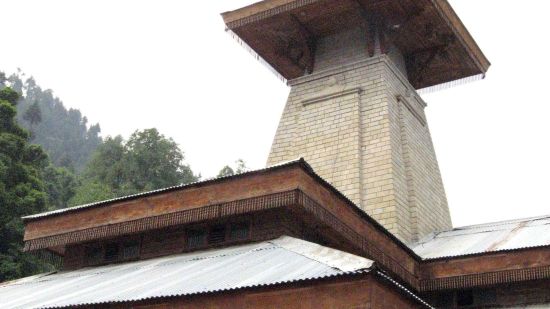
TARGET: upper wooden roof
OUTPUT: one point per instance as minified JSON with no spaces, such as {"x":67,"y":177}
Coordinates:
{"x":436,"y":45}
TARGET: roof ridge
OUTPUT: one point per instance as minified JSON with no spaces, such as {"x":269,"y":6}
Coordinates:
{"x":334,"y":258}
{"x":496,"y":223}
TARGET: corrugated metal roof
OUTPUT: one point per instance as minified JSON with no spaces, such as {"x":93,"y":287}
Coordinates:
{"x":489,"y":237}
{"x":271,"y":262}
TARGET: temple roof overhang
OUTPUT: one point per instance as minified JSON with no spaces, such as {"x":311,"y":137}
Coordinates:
{"x":436,"y":45}
{"x":295,"y":188}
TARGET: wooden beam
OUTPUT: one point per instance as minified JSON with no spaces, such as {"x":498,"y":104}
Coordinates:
{"x":370,"y":28}
{"x":307,"y":39}
{"x":294,"y":44}
{"x":382,"y":39}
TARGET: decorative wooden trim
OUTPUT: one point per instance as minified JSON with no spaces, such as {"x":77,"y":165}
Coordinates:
{"x":446,"y":12}
{"x":369,"y":248}
{"x":485,"y":279}
{"x":284,"y":199}
{"x":269,"y":13}
{"x":166,"y":220}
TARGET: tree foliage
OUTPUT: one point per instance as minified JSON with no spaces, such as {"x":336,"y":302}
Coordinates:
{"x":147,"y":161}
{"x":63,"y":133}
{"x":226,"y":171}
{"x":21,"y":188}
{"x":60,"y":185}
{"x":240,"y":167}
{"x":33,"y":115}
{"x":30,"y":182}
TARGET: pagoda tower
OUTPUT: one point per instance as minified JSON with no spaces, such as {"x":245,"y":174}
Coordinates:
{"x":354,"y":113}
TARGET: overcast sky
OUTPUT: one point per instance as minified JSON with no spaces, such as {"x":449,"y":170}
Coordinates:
{"x":166,"y":64}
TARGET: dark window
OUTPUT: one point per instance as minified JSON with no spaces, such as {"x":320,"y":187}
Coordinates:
{"x":465,"y":298}
{"x":195,"y":238}
{"x":94,"y":255}
{"x":444,"y":300}
{"x":217,"y":234}
{"x":485,"y":297}
{"x":130,"y":250}
{"x":239,"y":231}
{"x":111,"y":252}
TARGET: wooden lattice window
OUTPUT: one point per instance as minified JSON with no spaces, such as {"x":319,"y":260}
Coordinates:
{"x":217,"y":234}
{"x":130,"y":250}
{"x":112,"y":252}
{"x":94,"y":255}
{"x":465,"y":298}
{"x":239,"y":231}
{"x":195,"y":238}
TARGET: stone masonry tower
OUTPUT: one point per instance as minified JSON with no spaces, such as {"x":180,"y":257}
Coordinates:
{"x":353,"y":111}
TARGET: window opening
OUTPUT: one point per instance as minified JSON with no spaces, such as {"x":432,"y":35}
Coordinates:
{"x":217,"y":234}
{"x":94,"y":255}
{"x":465,"y":298}
{"x":130,"y":250}
{"x":195,"y":238}
{"x":239,"y":231}
{"x":111,"y":252}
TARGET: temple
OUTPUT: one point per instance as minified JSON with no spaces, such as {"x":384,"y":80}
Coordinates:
{"x":351,"y":210}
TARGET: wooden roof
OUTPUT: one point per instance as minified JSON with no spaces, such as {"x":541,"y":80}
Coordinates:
{"x":295,"y":187}
{"x":435,"y":43}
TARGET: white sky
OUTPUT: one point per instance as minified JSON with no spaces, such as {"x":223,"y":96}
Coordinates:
{"x":139,"y":64}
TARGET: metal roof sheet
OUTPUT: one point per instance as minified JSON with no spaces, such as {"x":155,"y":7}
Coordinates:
{"x":488,"y":237}
{"x":271,"y":262}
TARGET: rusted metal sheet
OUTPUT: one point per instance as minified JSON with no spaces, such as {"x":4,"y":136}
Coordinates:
{"x":489,"y":237}
{"x":261,"y":264}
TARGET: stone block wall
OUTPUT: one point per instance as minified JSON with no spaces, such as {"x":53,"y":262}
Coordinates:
{"x":362,"y":127}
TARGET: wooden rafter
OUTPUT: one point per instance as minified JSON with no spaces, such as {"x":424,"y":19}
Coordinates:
{"x":369,"y":26}
{"x":384,"y":44}
{"x":308,"y":41}
{"x":429,"y":55}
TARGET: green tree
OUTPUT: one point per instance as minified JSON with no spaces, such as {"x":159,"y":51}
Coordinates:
{"x":33,"y":115}
{"x":147,"y":161}
{"x":60,"y":184}
{"x":229,"y":171}
{"x":226,"y":171}
{"x":155,"y":161}
{"x":91,"y":191}
{"x":109,"y":164}
{"x":21,"y":189}
{"x":63,"y":133}
{"x":241,"y":166}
